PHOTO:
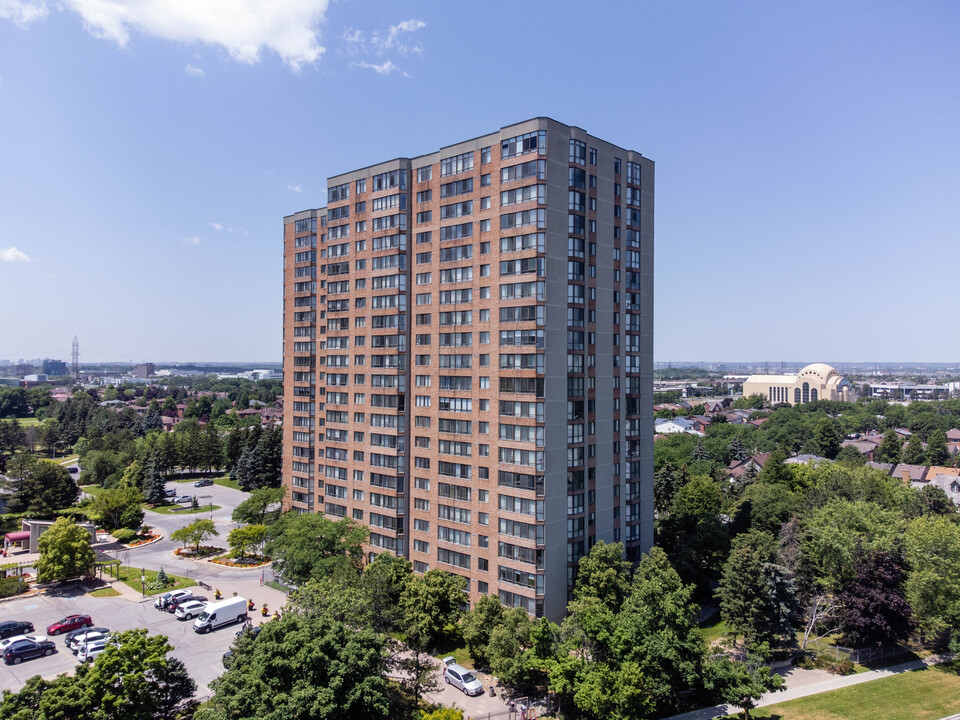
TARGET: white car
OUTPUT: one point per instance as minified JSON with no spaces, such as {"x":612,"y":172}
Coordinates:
{"x":189,"y":609}
{"x":461,"y":678}
{"x":161,"y":602}
{"x":89,"y":651}
{"x":6,"y":642}
{"x":78,"y":641}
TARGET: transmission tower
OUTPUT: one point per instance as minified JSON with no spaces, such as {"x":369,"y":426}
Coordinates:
{"x":75,"y":357}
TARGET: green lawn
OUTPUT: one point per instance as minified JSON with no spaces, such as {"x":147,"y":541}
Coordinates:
{"x":225,"y":481}
{"x":104,"y":592}
{"x":715,"y":630}
{"x":175,"y":509}
{"x":131,"y":577}
{"x":927,"y":694}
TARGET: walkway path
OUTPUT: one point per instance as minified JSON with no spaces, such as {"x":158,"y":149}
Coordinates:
{"x":797,"y":688}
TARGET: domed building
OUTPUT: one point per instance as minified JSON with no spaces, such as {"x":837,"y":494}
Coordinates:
{"x":814,"y":382}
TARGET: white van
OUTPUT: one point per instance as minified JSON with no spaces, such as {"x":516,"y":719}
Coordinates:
{"x":216,"y":614}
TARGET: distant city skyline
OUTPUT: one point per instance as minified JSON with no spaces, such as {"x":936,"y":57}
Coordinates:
{"x":806,"y":159}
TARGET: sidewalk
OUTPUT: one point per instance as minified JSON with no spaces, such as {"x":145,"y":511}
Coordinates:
{"x":802,"y":689}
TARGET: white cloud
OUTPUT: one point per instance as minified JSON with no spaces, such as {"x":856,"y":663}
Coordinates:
{"x":220,"y":227}
{"x":194,"y":71}
{"x":216,"y":226}
{"x":393,"y":39}
{"x":242,"y":27}
{"x":384,"y":68}
{"x":23,"y":12}
{"x":193,"y":240}
{"x":11,"y":254}
{"x":295,"y":188}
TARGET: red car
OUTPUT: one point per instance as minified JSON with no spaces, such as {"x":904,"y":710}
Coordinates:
{"x":70,"y":622}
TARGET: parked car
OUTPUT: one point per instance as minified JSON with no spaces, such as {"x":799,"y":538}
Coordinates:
{"x":10,"y":628}
{"x":177,"y":602}
{"x":85,"y":639}
{"x":161,"y":602}
{"x":73,"y":470}
{"x":71,"y":635}
{"x":169,"y":493}
{"x":70,"y":622}
{"x":88,"y":651}
{"x":7,"y":642}
{"x":461,"y":678}
{"x":190,"y":609}
{"x":26,"y":649}
{"x":206,"y":482}
{"x":183,"y":498}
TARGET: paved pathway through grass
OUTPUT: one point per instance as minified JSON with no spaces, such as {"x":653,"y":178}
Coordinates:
{"x":803,"y":689}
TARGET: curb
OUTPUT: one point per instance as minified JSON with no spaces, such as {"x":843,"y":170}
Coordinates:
{"x":149,"y":542}
{"x":235,"y":567}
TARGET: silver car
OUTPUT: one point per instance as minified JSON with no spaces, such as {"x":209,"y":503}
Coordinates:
{"x":461,"y":678}
{"x":75,"y":643}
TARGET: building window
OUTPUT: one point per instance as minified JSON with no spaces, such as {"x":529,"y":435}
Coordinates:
{"x":424,"y":174}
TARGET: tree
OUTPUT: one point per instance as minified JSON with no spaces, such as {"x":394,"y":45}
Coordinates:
{"x":841,"y":528}
{"x":819,"y":614}
{"x":692,"y":533}
{"x":850,"y":455}
{"x":117,"y":508}
{"x":430,"y":603}
{"x":736,"y":449}
{"x":443,"y":713}
{"x":932,"y":552}
{"x":888,"y":451}
{"x":155,"y":485}
{"x":511,"y":654}
{"x":827,"y":438}
{"x":195,"y":533}
{"x":304,"y":667}
{"x":247,"y":538}
{"x":313,"y":546}
{"x":741,"y":684}
{"x":700,"y":452}
{"x":757,"y":597}
{"x":775,"y":471}
{"x":65,"y":552}
{"x":245,"y":470}
{"x":937,"y":448}
{"x":133,"y":679}
{"x":657,"y":630}
{"x":666,"y":481}
{"x":914,"y":453}
{"x":254,"y":510}
{"x":603,"y":574}
{"x":478,"y":626}
{"x":383,"y":583}
{"x":42,"y":488}
{"x":875,"y":609}
{"x":603,"y":693}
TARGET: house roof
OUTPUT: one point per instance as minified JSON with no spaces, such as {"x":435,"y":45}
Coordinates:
{"x":911,"y":472}
{"x":953,"y":435}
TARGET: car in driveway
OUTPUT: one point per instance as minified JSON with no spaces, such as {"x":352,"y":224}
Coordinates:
{"x":9,"y":628}
{"x":206,"y":482}
{"x":190,"y":609}
{"x":27,"y":649}
{"x":183,"y":498}
{"x":177,"y":602}
{"x":461,"y":678}
{"x":70,"y":622}
{"x":7,"y":642}
{"x":161,"y":602}
{"x":91,"y":636}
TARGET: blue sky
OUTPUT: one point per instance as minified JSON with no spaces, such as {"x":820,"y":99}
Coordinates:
{"x":808,"y":200}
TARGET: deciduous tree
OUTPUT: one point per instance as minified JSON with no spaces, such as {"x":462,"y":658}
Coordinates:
{"x":875,"y":610}
{"x":313,"y":546}
{"x":42,"y":488}
{"x":195,"y":533}
{"x":255,"y":510}
{"x":65,"y":552}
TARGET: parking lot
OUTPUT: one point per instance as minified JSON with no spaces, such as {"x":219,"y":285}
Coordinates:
{"x":200,"y":653}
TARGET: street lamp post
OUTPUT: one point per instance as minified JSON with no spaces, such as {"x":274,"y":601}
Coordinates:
{"x":58,"y":442}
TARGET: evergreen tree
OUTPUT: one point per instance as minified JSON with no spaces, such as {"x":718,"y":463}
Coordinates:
{"x":889,"y":449}
{"x":700,"y":452}
{"x":914,"y":453}
{"x":737,"y":451}
{"x":245,"y":471}
{"x":937,"y":448}
{"x":154,"y":483}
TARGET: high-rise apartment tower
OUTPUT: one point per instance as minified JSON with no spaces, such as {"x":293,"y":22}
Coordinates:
{"x":468,"y":357}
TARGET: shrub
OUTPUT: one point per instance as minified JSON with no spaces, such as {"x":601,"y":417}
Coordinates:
{"x":12,"y":586}
{"x":124,"y":535}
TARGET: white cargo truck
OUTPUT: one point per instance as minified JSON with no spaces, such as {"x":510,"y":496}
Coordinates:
{"x":224,"y":612}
